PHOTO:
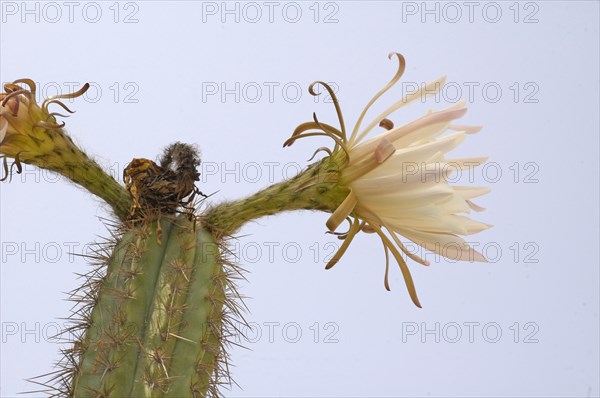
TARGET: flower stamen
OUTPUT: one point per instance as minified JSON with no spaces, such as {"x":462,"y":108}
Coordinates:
{"x":51,"y":100}
{"x":30,"y":83}
{"x":410,"y":255}
{"x":395,"y":78}
{"x":342,"y":235}
{"x":336,"y":103}
{"x":57,"y":102}
{"x":50,"y":126}
{"x":384,"y":150}
{"x":17,"y":94}
{"x":354,"y":229}
{"x":410,"y":285}
{"x":386,"y":124}
{"x":386,"y":282}
{"x":342,"y":212}
{"x":332,"y":133}
{"x":321,"y":149}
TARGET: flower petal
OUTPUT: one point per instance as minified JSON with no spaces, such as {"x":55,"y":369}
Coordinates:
{"x":384,"y":150}
{"x":427,"y":126}
{"x":430,"y":89}
{"x":450,"y":246}
{"x":395,"y":78}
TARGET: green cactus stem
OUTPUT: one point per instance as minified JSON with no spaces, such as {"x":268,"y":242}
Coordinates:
{"x":156,"y":329}
{"x":316,"y":188}
{"x":68,"y":160}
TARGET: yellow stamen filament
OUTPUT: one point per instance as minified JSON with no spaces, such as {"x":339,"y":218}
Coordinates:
{"x":397,"y":76}
{"x":354,"y":229}
{"x":342,"y":212}
{"x":410,"y":285}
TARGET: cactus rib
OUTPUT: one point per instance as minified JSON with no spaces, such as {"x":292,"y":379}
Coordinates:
{"x":156,"y":330}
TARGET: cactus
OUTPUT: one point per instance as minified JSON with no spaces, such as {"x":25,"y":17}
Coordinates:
{"x":158,"y":318}
{"x":157,"y":327}
{"x":156,"y":312}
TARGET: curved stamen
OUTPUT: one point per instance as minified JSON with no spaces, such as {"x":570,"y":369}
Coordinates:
{"x":57,"y":102}
{"x":410,"y":285}
{"x":386,"y":282}
{"x":50,"y":126}
{"x":10,"y":87}
{"x":342,"y":212}
{"x":8,"y":172}
{"x":367,"y":229}
{"x":16,"y":94}
{"x":397,"y":76}
{"x":54,"y":114}
{"x":28,"y":82}
{"x":321,"y":149}
{"x":22,"y":95}
{"x":354,"y":229}
{"x":410,"y":255}
{"x":336,"y":103}
{"x":5,"y":167}
{"x":327,"y":128}
{"x":291,"y":140}
{"x":333,"y":134}
{"x":312,"y":125}
{"x":342,"y":234}
{"x":75,"y":94}
{"x":431,"y":88}
{"x":17,"y":163}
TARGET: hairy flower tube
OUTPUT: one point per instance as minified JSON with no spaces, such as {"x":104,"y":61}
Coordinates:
{"x":397,"y":182}
{"x":30,"y":133}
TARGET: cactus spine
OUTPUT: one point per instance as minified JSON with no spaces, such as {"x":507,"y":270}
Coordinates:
{"x":156,"y":329}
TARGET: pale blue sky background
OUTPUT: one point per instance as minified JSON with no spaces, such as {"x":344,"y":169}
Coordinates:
{"x":154,"y":83}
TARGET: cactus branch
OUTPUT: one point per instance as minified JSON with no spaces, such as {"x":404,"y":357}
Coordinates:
{"x":30,"y":133}
{"x":316,"y":188}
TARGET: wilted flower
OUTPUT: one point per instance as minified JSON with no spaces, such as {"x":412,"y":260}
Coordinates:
{"x":29,"y":132}
{"x":398,"y":180}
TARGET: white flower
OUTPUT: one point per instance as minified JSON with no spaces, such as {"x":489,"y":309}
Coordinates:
{"x":398,"y":181}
